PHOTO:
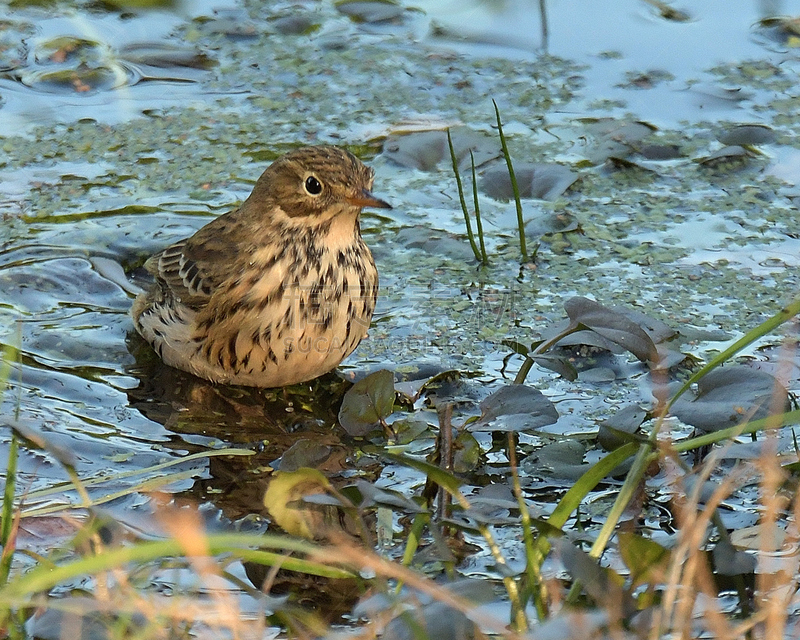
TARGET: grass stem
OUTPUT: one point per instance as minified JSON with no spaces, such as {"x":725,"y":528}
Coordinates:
{"x":514,"y":186}
{"x":470,"y":235}
{"x":479,"y":224}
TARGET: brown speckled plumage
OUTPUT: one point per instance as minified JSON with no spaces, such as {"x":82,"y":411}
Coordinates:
{"x":277,"y":291}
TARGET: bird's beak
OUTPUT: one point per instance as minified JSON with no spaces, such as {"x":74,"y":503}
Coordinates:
{"x":366,"y":199}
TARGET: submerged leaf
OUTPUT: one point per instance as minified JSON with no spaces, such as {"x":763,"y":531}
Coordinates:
{"x":515,"y":408}
{"x":367,"y":402}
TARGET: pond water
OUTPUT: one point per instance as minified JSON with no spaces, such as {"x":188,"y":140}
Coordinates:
{"x":125,"y":129}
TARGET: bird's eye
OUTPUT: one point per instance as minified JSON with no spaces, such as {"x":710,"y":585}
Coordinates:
{"x":313,"y":186}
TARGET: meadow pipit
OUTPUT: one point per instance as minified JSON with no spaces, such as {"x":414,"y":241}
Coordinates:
{"x":277,"y":291}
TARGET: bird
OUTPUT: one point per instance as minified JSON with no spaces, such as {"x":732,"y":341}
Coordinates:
{"x":277,"y":291}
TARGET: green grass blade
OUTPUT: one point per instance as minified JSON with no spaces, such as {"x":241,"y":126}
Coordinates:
{"x":45,"y":577}
{"x":573,"y":498}
{"x":7,"y":526}
{"x":753,"y":426}
{"x":461,"y":199}
{"x":536,"y":585}
{"x":629,"y":487}
{"x":148,"y":471}
{"x":87,"y":502}
{"x":479,"y":224}
{"x":8,"y":354}
{"x":514,"y":186}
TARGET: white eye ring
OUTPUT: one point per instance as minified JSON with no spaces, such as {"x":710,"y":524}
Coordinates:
{"x":312,"y":186}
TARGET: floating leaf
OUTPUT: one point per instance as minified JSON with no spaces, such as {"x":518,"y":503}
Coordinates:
{"x":515,"y":407}
{"x":370,"y":10}
{"x":425,"y":618}
{"x":563,"y":459}
{"x":296,"y":23}
{"x":435,"y":620}
{"x":163,"y":55}
{"x":714,"y":96}
{"x":373,"y":496}
{"x":614,"y":138}
{"x":660,"y":152}
{"x":701,"y":490}
{"x":623,"y":164}
{"x":535,"y":180}
{"x":559,"y":364}
{"x":730,"y":562}
{"x":745,"y":134}
{"x":764,"y":537}
{"x":434,"y":242}
{"x":619,"y":428}
{"x":602,"y":584}
{"x":545,"y":223}
{"x":82,"y":615}
{"x":367,"y":403}
{"x":731,"y":395}
{"x":732,"y":155}
{"x":424,"y":150}
{"x":613,"y":326}
{"x":62,"y":454}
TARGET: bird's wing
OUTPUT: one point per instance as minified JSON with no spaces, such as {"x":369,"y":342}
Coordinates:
{"x":192,"y":269}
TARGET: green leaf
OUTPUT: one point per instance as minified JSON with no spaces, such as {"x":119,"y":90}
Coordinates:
{"x":646,"y":560}
{"x":447,"y":481}
{"x":367,"y":403}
